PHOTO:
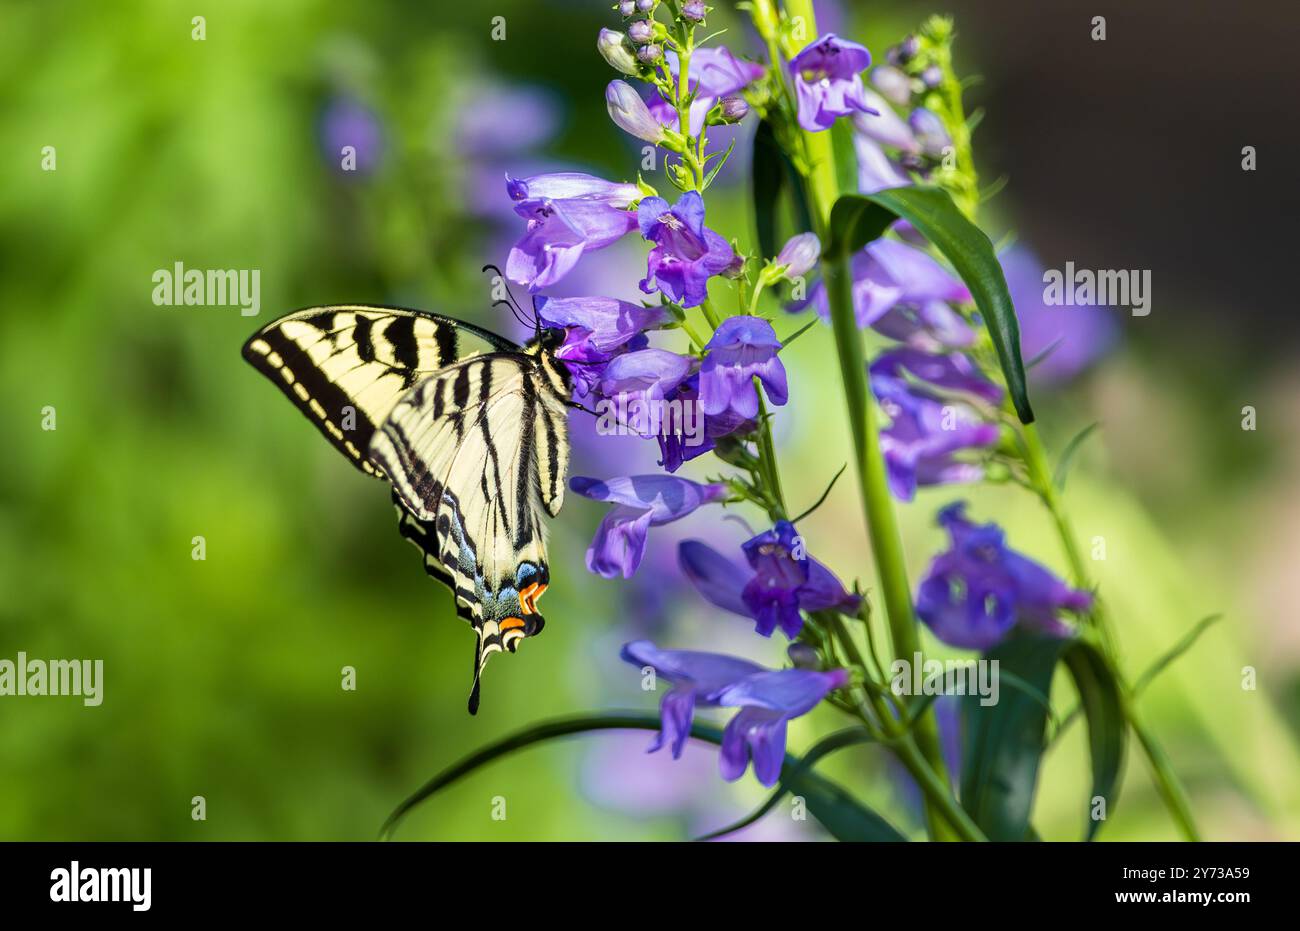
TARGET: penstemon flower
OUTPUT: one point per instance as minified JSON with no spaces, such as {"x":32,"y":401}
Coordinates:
{"x":768,"y":699}
{"x":640,"y":502}
{"x":828,"y":81}
{"x":977,"y":591}
{"x":686,"y":253}
{"x":741,"y":350}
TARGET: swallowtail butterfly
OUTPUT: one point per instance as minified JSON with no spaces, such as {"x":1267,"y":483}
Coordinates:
{"x":474,"y":446}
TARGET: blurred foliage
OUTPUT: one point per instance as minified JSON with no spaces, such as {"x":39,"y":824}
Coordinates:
{"x":222,"y":676}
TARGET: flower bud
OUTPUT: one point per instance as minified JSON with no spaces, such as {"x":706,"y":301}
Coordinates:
{"x":904,"y":51}
{"x":617,"y":51}
{"x":641,"y":32}
{"x":932,"y":76}
{"x":646,"y":6}
{"x":630,"y":114}
{"x":626,"y":8}
{"x":649,"y":54}
{"x":894,"y":85}
{"x":734,"y":108}
{"x":803,"y":656}
{"x":694,"y":11}
{"x":930,"y":131}
{"x":799,"y":255}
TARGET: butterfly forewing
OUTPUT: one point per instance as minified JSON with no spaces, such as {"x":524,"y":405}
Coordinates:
{"x":345,"y":366}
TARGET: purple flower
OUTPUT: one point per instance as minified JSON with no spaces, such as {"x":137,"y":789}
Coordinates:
{"x":676,"y":444}
{"x":559,"y":233}
{"x":640,"y":502}
{"x":768,"y":699}
{"x":686,"y":253}
{"x":644,"y":375}
{"x":902,"y":292}
{"x":530,"y":193}
{"x":926,"y":430}
{"x":741,"y":349}
{"x":715,"y":73}
{"x":980,"y":589}
{"x":876,"y":171}
{"x":629,"y":112}
{"x":596,"y":330}
{"x":1066,"y":340}
{"x":885,"y":126}
{"x":893,"y":83}
{"x":780,"y":581}
{"x":347,"y":122}
{"x":828,"y":81}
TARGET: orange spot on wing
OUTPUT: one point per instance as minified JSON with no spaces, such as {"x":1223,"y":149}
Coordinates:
{"x":510,"y":623}
{"x":528,"y":597}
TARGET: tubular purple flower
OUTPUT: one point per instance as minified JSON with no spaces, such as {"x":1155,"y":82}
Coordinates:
{"x":740,"y":350}
{"x":644,"y":375}
{"x":768,"y":700}
{"x":828,"y":81}
{"x":895,"y":85}
{"x":617,"y":51}
{"x":529,"y":193}
{"x":888,"y":273}
{"x":876,"y":171}
{"x":630,"y":114}
{"x":559,"y":233}
{"x":927,"y":430}
{"x":641,"y":502}
{"x":977,"y":591}
{"x":884,"y":125}
{"x":780,"y":581}
{"x":686,"y":253}
{"x":596,"y":330}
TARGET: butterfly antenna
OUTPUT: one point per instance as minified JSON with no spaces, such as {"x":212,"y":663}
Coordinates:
{"x":515,"y":310}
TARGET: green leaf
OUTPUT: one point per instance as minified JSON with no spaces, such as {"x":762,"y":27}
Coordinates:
{"x":1004,"y":741}
{"x":857,"y":219}
{"x":1187,"y":641}
{"x":1102,"y":701}
{"x":774,"y":183}
{"x":838,"y":812}
{"x":1067,"y":455}
{"x":846,"y":738}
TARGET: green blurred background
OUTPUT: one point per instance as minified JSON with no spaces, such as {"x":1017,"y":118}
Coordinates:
{"x":223,"y":676}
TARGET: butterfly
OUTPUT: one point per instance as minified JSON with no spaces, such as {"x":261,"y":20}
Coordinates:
{"x":475,"y":446}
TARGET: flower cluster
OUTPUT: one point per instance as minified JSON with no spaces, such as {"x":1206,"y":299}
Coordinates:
{"x":941,"y":410}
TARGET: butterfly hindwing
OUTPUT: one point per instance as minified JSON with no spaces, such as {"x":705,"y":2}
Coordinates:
{"x":466,"y":450}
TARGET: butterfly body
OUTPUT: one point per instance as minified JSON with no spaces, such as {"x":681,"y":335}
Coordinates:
{"x":474,"y":446}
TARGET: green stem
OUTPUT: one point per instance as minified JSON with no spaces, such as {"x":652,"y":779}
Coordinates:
{"x":767,"y":455}
{"x":878,"y":507}
{"x":1167,"y":783}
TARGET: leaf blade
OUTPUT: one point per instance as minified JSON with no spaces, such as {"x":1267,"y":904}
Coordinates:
{"x":857,"y":219}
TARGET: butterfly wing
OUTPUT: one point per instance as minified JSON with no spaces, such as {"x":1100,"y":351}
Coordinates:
{"x":476,"y":454}
{"x":346,"y":366}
